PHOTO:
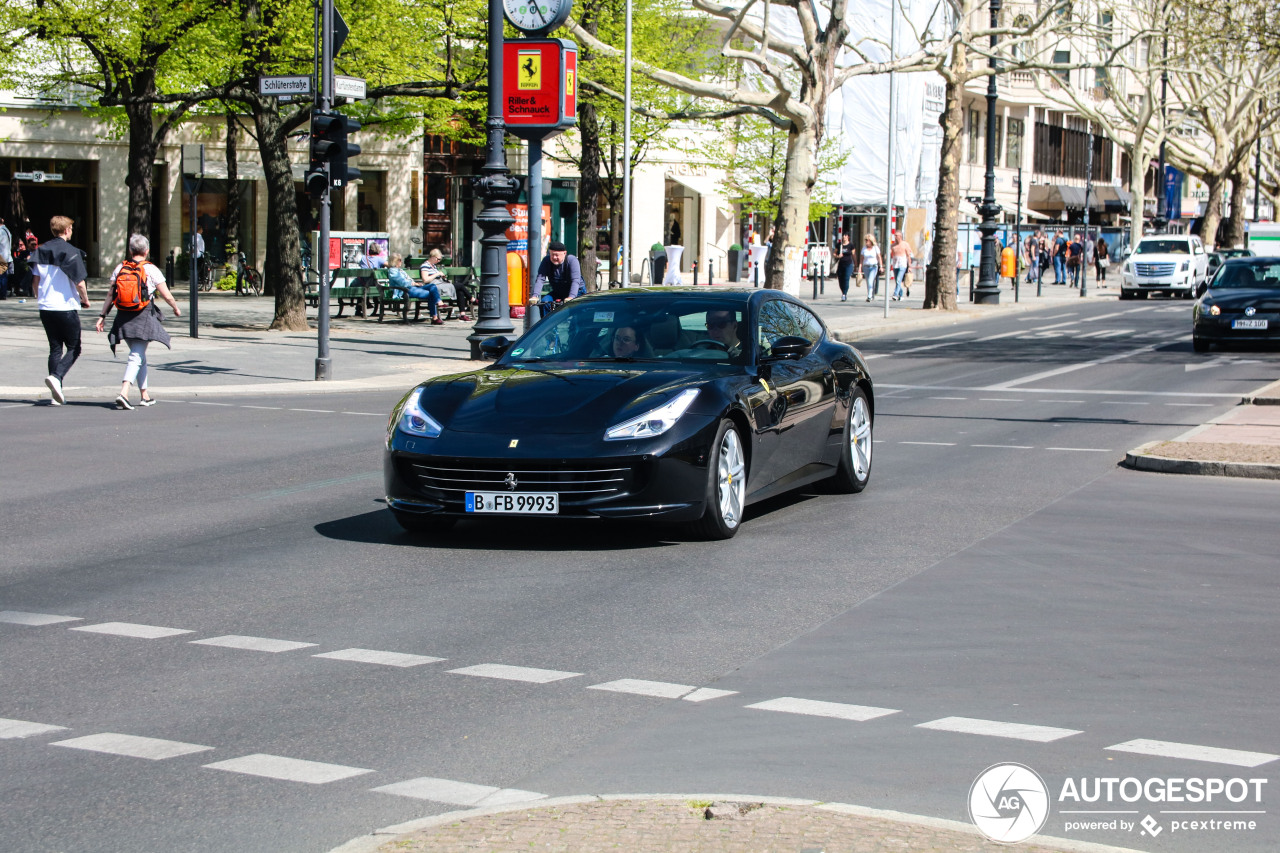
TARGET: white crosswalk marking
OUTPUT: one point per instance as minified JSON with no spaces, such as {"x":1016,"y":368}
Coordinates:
{"x":658,"y":689}
{"x":253,"y":644}
{"x":815,"y":708}
{"x":458,"y":793}
{"x":133,"y":746}
{"x":515,"y":673}
{"x":384,"y":658}
{"x":1217,"y":755}
{"x":288,"y":769}
{"x":994,"y":728}
{"x":131,"y":629}
{"x":12,"y":729}
{"x":704,"y":694}
{"x":17,"y":617}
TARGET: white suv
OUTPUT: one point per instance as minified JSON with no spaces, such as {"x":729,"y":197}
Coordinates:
{"x":1165,"y":263}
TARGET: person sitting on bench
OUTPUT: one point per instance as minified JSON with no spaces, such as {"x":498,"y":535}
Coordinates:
{"x":398,"y":279}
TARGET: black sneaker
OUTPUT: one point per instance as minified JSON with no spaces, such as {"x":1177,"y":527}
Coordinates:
{"x":147,"y":401}
{"x":122,"y":402}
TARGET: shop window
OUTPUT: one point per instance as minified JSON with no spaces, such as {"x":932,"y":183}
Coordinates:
{"x":975,"y":135}
{"x":1013,"y":150}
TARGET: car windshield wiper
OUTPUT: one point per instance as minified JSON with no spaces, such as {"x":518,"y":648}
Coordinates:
{"x":625,"y":358}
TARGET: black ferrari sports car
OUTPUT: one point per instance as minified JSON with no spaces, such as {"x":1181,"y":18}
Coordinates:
{"x":672,"y":404}
{"x":1241,"y":303}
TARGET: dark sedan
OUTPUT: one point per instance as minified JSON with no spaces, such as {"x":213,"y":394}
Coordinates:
{"x":680,"y":404}
{"x":1241,"y":303}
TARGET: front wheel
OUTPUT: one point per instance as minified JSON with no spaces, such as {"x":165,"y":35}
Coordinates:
{"x":854,"y":470}
{"x":726,"y":491}
{"x":1200,"y":345}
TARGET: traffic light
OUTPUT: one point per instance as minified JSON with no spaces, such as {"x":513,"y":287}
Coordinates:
{"x":330,"y":148}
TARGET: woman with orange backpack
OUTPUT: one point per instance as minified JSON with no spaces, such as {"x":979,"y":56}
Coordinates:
{"x":134,"y":283}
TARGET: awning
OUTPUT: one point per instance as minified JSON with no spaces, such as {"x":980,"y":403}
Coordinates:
{"x":700,"y":184}
{"x":1113,"y":199}
{"x":1056,"y":197}
{"x":245,"y":171}
{"x":968,"y":209}
{"x":1028,"y":213}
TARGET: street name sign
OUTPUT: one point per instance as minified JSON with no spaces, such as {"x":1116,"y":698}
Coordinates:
{"x":296,"y":85}
{"x":353,"y":88}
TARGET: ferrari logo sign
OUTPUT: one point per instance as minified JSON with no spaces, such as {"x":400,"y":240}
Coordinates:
{"x":529,"y":73}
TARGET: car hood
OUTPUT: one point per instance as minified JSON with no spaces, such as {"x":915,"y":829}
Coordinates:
{"x":1262,"y":298}
{"x":550,"y":401}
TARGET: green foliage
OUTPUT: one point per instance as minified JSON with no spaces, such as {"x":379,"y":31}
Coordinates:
{"x":227,"y":282}
{"x":754,"y":153}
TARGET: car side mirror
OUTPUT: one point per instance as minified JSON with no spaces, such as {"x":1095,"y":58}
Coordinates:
{"x":791,"y":346}
{"x":1201,"y":288}
{"x":495,"y":347}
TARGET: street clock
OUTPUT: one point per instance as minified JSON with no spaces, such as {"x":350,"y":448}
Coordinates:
{"x":535,"y":17}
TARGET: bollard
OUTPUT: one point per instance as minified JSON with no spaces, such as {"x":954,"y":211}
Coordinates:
{"x":711,"y":269}
{"x":695,"y":273}
{"x":970,"y":284}
{"x":756,"y":275}
{"x":814,"y":274}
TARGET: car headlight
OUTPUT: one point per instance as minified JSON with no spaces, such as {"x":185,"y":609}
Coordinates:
{"x":1186,"y":265}
{"x":1128,"y":268}
{"x":656,"y":421}
{"x":1210,"y":310}
{"x":414,"y":420}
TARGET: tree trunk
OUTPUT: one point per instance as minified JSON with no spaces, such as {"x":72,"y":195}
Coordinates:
{"x":1212,"y":209}
{"x":940,"y":277}
{"x":1138,"y":164}
{"x":589,"y":193}
{"x":233,"y":184}
{"x":793,"y":202}
{"x":143,"y":146}
{"x":1234,"y":236}
{"x":282,"y":271}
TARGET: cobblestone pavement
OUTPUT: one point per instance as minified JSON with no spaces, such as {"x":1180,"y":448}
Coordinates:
{"x":693,"y":826}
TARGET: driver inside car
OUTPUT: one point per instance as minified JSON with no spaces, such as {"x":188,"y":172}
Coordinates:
{"x":722,"y":327}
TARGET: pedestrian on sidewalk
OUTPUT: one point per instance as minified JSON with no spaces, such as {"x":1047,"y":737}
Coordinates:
{"x":6,"y":258}
{"x":1075,"y":259}
{"x":900,"y":256}
{"x":844,"y":266}
{"x":134,"y":285}
{"x":1101,"y":260}
{"x":1043,"y":249}
{"x":871,"y":263}
{"x":1060,"y":259}
{"x":58,"y":275}
{"x":1031,"y":257}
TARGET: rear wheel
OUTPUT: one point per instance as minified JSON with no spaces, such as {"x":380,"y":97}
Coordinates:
{"x":854,"y":470}
{"x":424,"y":524}
{"x":726,"y":493}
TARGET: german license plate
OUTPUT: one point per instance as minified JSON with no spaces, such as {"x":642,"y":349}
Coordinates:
{"x":514,"y":503}
{"x":1248,"y":324}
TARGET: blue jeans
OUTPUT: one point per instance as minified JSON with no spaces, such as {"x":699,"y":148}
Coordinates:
{"x":429,"y":292}
{"x":1059,"y":269}
{"x":870,"y":272}
{"x":899,"y":276}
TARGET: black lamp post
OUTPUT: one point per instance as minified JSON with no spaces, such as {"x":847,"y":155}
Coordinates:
{"x":1162,"y":191}
{"x":496,"y":188}
{"x":987,"y":290}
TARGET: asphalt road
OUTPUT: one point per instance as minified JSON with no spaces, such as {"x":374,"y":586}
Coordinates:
{"x":1000,"y":568}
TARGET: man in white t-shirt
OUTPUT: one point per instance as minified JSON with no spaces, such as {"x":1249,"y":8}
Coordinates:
{"x":58,"y":273}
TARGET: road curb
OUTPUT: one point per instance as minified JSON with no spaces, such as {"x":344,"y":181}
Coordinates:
{"x":379,"y":837}
{"x":1267,"y":395}
{"x":1140,"y":459}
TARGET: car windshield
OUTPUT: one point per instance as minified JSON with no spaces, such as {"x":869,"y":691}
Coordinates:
{"x":640,"y":328}
{"x":1247,"y":275}
{"x":1163,"y":247}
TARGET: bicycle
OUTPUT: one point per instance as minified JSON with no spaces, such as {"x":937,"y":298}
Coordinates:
{"x":248,"y":279}
{"x":204,"y":273}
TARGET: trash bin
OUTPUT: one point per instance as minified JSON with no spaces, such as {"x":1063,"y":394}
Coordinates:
{"x":657,"y":263}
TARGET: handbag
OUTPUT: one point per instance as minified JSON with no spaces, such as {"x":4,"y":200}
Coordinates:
{"x":1104,"y":262}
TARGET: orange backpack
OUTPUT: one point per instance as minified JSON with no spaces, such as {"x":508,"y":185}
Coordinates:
{"x":131,"y":287}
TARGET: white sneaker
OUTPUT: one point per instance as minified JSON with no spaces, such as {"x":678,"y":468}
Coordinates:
{"x":147,"y":401}
{"x":55,"y":389}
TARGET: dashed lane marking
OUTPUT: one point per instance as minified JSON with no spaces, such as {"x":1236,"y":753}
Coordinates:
{"x":515,"y":673}
{"x":1192,"y":405}
{"x":931,"y":443}
{"x":994,"y":728}
{"x":385,"y":658}
{"x":1217,"y":755}
{"x":1007,"y":446}
{"x":153,"y":749}
{"x":316,"y":411}
{"x":365,"y":414}
{"x":288,"y":769}
{"x":253,"y":644}
{"x":948,"y":398}
{"x":458,"y":793}
{"x":11,"y":729}
{"x":1001,"y":400}
{"x":816,"y":708}
{"x":271,"y":408}
{"x":1083,"y":449}
{"x":206,"y":403}
{"x":131,"y":629}
{"x":17,"y":617}
{"x":638,"y":687}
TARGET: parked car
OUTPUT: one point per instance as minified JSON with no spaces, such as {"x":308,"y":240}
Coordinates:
{"x":1241,"y":303}
{"x":671,"y":404}
{"x":1216,"y":258}
{"x":1172,"y":264}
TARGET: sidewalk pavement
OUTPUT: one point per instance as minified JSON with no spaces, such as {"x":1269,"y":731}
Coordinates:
{"x":691,"y":824}
{"x":236,"y":354}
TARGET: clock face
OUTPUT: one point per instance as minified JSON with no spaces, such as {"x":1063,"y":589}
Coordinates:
{"x":533,"y":16}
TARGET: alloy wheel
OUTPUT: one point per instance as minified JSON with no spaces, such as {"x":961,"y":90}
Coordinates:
{"x":860,"y":438}
{"x":731,"y":485}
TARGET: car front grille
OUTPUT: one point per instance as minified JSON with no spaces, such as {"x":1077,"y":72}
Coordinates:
{"x":577,"y":481}
{"x":1153,"y":270}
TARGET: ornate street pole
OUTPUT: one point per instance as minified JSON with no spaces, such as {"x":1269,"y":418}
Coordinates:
{"x":496,"y":188}
{"x":987,"y":290}
{"x":1162,"y":190}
